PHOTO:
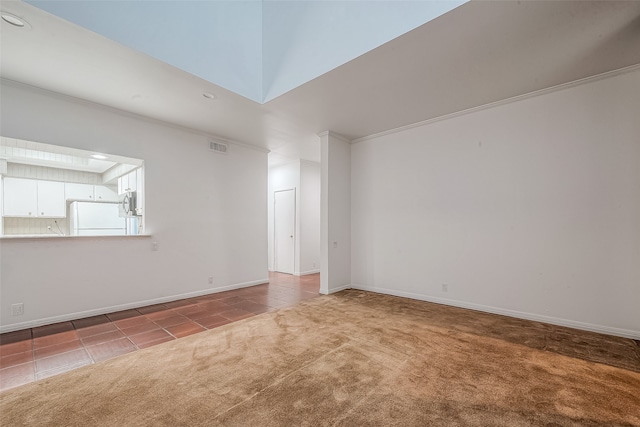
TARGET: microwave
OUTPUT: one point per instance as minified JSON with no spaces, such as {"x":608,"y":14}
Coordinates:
{"x":127,"y":204}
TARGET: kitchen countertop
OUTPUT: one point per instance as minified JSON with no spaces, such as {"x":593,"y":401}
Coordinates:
{"x":55,"y":236}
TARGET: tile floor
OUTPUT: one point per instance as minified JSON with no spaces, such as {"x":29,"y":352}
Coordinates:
{"x":33,"y":354}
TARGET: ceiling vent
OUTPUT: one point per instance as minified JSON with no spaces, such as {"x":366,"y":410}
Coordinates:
{"x":218,"y":147}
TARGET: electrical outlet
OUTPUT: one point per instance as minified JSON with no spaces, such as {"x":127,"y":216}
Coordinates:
{"x":445,"y":287}
{"x":335,"y":244}
{"x":154,"y":246}
{"x":211,"y":280}
{"x":17,"y":309}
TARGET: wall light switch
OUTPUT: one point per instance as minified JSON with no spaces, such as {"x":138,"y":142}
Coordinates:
{"x":154,"y":246}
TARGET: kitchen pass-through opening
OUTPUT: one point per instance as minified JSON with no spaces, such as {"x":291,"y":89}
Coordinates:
{"x":51,"y":190}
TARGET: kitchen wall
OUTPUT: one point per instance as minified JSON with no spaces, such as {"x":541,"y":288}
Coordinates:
{"x":205,"y":211}
{"x":529,"y":208}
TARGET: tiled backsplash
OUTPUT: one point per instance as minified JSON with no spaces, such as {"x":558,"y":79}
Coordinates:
{"x":21,"y":226}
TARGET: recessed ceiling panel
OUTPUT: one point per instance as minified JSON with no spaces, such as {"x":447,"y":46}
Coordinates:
{"x":219,"y":41}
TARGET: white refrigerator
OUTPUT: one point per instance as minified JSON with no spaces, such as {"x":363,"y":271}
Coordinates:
{"x":96,"y":219}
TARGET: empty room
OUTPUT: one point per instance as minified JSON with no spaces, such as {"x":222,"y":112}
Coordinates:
{"x":349,"y":213}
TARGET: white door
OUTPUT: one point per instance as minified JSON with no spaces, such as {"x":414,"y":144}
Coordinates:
{"x":284,"y":230}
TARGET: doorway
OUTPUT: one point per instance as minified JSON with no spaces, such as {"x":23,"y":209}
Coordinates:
{"x":284,"y":227}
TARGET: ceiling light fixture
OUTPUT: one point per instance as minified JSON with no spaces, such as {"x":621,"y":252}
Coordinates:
{"x":14,"y":20}
{"x":209,"y":95}
{"x":99,"y":156}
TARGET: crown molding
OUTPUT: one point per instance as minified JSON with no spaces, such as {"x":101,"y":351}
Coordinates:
{"x":334,"y":135}
{"x":505,"y":101}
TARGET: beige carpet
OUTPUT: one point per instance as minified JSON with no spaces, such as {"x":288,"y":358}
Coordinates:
{"x":352,"y":359}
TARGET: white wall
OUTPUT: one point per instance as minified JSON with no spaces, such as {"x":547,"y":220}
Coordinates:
{"x":530,"y":208}
{"x":205,"y":210}
{"x":335,"y":206}
{"x":309,"y":217}
{"x":304,"y":177}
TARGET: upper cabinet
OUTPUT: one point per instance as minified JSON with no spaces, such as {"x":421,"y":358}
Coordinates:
{"x":83,"y":192}
{"x":89,"y":193}
{"x":130,"y":182}
{"x":51,"y":202}
{"x":20,"y":197}
{"x":105,"y":194}
{"x":30,"y":198}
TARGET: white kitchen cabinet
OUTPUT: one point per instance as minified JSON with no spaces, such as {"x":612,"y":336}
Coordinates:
{"x":32,"y":198}
{"x":20,"y":197}
{"x":81,"y":192}
{"x":133,"y":181}
{"x":105,"y":194}
{"x":51,"y":202}
{"x":123,"y":184}
{"x":139,"y":180}
{"x":89,"y":193}
{"x":130,"y":182}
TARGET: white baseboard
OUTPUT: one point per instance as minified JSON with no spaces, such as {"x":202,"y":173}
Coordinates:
{"x":625,"y":333}
{"x":128,"y":306}
{"x":334,"y":290}
{"x":306,"y":273}
{"x":298,"y":273}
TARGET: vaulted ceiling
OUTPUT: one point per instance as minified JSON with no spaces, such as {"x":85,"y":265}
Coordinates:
{"x":258,"y":49}
{"x":477,"y":53}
